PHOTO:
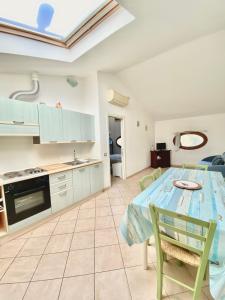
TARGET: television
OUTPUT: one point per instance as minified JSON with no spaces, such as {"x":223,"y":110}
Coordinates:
{"x":160,"y":146}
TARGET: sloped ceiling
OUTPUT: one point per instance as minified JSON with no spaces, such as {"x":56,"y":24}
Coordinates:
{"x":159,"y":26}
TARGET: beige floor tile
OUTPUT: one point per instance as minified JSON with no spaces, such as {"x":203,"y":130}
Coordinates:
{"x":132,"y":256}
{"x":111,"y":286}
{"x":103,"y":195}
{"x":104,"y":222}
{"x":59,"y":243}
{"x":108,"y":258}
{"x":116,"y":201}
{"x":142,"y":283}
{"x":102,"y":202}
{"x":103,"y":211}
{"x":117,"y":219}
{"x":70,"y":215}
{"x":44,"y":230}
{"x":46,"y":290}
{"x":179,"y":272}
{"x":79,"y":285}
{"x":34,"y":246}
{"x":11,"y":248}
{"x":105,"y":237}
{"x":65,"y":227}
{"x":4,"y":264}
{"x":21,"y":269}
{"x":118,"y":209}
{"x":88,"y":204}
{"x":14,"y":291}
{"x":185,"y":296}
{"x":83,"y":240}
{"x":85,"y":225}
{"x":86,"y":213}
{"x":80,"y":262}
{"x":51,"y":266}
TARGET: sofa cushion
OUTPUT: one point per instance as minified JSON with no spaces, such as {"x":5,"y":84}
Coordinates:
{"x":218,"y":161}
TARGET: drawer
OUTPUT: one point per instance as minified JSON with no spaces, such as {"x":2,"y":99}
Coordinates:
{"x":59,"y":177}
{"x":61,"y":200}
{"x":61,"y":186}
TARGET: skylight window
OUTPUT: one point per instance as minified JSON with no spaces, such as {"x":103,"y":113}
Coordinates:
{"x":59,"y":22}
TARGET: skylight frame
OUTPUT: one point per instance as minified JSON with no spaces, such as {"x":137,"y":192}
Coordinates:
{"x":80,"y":32}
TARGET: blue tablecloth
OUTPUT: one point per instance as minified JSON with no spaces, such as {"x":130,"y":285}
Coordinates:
{"x":205,"y":204}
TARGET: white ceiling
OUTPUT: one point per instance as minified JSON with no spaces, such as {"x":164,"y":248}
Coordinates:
{"x":159,"y":26}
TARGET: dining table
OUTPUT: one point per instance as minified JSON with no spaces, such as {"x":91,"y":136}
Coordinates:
{"x":206,"y":203}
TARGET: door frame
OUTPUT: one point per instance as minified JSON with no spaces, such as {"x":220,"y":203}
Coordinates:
{"x":123,"y":146}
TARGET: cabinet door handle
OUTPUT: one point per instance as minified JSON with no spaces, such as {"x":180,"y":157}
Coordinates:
{"x":63,"y":194}
{"x":61,"y":177}
{"x":62,"y":187}
{"x":18,"y":122}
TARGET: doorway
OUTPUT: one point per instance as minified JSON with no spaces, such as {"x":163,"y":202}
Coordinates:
{"x":116,"y":148}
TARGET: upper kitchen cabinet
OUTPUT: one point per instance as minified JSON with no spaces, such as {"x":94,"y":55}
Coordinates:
{"x":18,"y":118}
{"x":87,"y":128}
{"x":71,"y":125}
{"x":51,"y":125}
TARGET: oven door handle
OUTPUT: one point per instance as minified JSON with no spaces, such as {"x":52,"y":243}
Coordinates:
{"x":29,"y":191}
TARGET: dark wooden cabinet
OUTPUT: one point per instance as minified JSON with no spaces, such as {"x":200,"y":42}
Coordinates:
{"x":160,"y":158}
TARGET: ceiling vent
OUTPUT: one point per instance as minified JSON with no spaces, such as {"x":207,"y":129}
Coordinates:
{"x":116,"y":98}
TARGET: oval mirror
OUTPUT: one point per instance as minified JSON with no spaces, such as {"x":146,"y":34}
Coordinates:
{"x":190,"y":140}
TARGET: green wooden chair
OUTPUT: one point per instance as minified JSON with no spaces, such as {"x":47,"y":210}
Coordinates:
{"x":197,"y":257}
{"x":197,"y":167}
{"x":148,"y":179}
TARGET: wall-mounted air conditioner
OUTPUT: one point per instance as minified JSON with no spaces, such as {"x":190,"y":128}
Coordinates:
{"x":116,"y":98}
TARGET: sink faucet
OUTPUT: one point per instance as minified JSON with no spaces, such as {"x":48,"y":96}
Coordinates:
{"x":74,"y":155}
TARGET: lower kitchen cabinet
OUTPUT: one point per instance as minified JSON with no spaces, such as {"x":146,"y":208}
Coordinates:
{"x":87,"y":181}
{"x":96,"y":178}
{"x":81,"y":183}
{"x":61,"y":200}
{"x":61,"y":190}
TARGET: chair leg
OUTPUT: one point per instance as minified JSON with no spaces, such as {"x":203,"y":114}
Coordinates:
{"x":206,"y":272}
{"x":198,"y":283}
{"x":159,"y":279}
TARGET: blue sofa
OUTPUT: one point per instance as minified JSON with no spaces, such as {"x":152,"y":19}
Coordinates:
{"x":212,"y":167}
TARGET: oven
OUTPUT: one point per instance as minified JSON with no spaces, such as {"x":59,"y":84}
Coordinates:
{"x":27,"y":198}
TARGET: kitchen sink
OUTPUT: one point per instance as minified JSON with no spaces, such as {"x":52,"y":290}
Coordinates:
{"x":77,"y":162}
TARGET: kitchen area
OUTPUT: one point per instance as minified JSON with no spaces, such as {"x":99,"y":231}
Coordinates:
{"x":57,"y":147}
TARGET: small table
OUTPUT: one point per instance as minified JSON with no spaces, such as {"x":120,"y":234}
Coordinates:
{"x":160,"y":158}
{"x":205,"y":204}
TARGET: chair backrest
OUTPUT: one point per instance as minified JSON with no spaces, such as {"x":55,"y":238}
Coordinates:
{"x":148,"y":179}
{"x":164,"y":221}
{"x":197,"y":167}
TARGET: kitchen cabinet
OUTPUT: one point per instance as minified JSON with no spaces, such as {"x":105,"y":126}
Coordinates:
{"x":71,"y":125}
{"x":18,"y":117}
{"x":96,"y":178}
{"x":61,"y":190}
{"x":51,"y":125}
{"x":87,"y":127}
{"x":87,"y":181}
{"x":81,"y":183}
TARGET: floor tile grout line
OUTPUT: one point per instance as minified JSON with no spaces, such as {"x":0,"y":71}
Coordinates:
{"x":30,"y":281}
{"x":68,"y":254}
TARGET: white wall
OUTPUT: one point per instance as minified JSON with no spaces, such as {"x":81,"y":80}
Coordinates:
{"x":212,"y":125}
{"x":138,"y":141}
{"x":19,"y":152}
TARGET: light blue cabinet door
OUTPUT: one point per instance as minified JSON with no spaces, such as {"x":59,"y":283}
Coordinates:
{"x":87,"y":127}
{"x":16,"y":111}
{"x":96,"y":178}
{"x":81,"y":183}
{"x":71,"y":126}
{"x":18,"y":117}
{"x":51,"y":126}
